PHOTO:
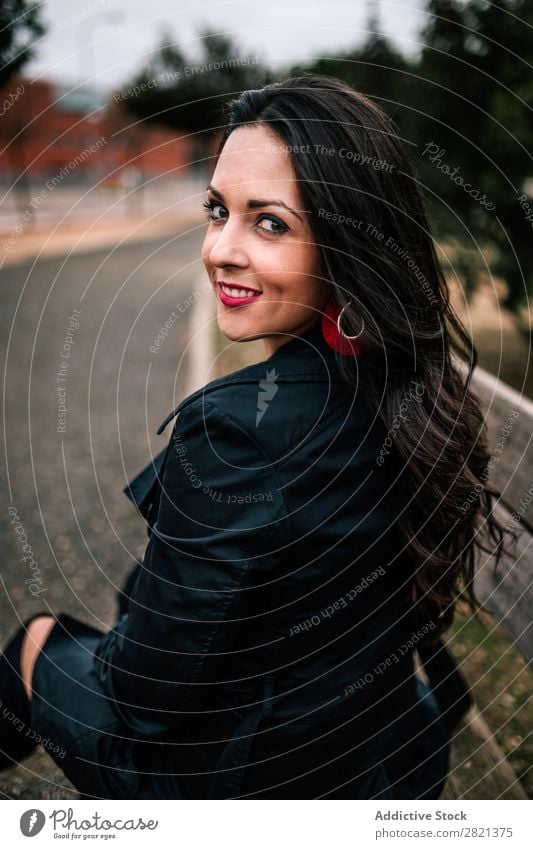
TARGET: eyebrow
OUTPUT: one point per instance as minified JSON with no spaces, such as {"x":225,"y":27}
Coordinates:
{"x":256,"y":204}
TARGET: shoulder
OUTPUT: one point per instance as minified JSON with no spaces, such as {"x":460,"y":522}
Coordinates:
{"x":285,"y":398}
{"x":220,"y":480}
{"x":275,"y":407}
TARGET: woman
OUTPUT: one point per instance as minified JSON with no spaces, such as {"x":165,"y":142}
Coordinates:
{"x":307,"y":520}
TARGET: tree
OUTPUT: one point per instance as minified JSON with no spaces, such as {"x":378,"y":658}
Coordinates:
{"x":375,"y":67}
{"x":189,"y":94}
{"x":473,"y":103}
{"x":464,"y":107}
{"x":20,"y":26}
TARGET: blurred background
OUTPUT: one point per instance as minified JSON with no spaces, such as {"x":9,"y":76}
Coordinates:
{"x":109,"y":113}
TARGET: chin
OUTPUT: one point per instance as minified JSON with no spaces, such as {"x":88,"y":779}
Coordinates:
{"x":237,"y":331}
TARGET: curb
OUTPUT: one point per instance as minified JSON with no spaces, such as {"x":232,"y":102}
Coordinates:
{"x":201,"y":347}
{"x":45,"y":244}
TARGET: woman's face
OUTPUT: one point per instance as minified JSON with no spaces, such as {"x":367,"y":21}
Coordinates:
{"x":266,"y":247}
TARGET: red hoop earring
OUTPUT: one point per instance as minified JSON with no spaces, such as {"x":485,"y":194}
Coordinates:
{"x":335,"y":336}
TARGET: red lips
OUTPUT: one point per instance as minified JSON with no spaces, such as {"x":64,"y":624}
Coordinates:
{"x":230,"y":301}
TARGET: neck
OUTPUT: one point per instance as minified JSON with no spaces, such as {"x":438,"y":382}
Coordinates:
{"x":274,"y":342}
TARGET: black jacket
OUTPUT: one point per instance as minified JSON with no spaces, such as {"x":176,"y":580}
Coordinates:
{"x":269,"y":638}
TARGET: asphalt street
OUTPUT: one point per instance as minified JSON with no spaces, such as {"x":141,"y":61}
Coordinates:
{"x":83,"y":397}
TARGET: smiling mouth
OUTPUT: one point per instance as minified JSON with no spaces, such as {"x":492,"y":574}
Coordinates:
{"x":234,"y":296}
{"x":237,"y":291}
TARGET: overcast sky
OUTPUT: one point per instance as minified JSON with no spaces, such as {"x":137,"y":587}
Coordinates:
{"x":106,"y":41}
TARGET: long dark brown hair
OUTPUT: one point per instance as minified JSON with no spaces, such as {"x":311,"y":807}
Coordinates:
{"x":379,"y":259}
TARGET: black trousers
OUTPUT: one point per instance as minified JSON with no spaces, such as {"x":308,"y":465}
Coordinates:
{"x":102,"y":758}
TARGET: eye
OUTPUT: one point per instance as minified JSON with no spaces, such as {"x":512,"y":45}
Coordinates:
{"x":276,"y":229}
{"x":210,"y":205}
{"x":280,"y":227}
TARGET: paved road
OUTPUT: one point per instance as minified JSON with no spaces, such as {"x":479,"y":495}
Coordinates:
{"x":68,"y":205}
{"x":79,"y":331}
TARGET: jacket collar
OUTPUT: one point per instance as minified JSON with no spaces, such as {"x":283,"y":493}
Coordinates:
{"x":309,"y":340}
{"x":293,"y":358}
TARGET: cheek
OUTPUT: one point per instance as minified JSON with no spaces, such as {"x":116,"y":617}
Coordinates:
{"x":295,"y":263}
{"x":307,"y":262}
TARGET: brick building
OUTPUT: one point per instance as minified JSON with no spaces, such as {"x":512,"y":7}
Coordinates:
{"x":49,"y":132}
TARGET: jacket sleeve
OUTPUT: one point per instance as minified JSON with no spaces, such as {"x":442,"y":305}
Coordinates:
{"x":220,"y":507}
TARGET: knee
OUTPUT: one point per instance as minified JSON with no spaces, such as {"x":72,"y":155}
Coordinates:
{"x":34,"y":640}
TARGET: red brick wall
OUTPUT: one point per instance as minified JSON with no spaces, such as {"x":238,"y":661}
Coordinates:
{"x":38,"y":133}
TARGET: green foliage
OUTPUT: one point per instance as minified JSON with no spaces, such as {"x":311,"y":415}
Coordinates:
{"x":376,"y":68}
{"x":189,"y":93}
{"x":473,"y":98}
{"x":501,"y":686}
{"x":20,"y":26}
{"x":469,"y":94}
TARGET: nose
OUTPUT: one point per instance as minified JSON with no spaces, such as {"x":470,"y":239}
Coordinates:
{"x":227,"y":247}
